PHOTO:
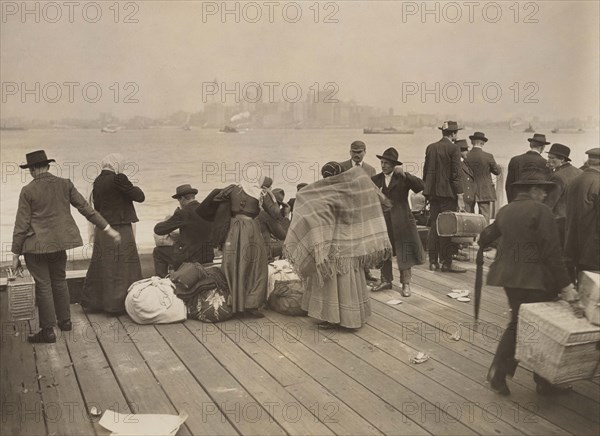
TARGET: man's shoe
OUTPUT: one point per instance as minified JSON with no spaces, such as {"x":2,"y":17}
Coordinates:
{"x":369,"y":277}
{"x":383,"y":286}
{"x":65,"y":326}
{"x":451,"y":268}
{"x":548,"y":389}
{"x":405,"y":290}
{"x":499,"y":386}
{"x":434,"y":266}
{"x":44,"y":336}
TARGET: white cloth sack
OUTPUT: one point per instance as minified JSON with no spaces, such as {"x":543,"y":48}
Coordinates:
{"x":280,"y":270}
{"x":153,"y":301}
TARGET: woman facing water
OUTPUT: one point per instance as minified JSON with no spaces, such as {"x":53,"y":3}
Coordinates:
{"x":338,"y":229}
{"x":113,"y":268}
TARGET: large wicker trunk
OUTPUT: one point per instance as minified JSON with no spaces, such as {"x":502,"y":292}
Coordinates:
{"x":555,"y":344}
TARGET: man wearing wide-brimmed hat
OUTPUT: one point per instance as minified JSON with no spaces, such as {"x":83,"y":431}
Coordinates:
{"x":395,"y":184}
{"x":528,"y":265}
{"x":582,"y":229}
{"x":44,"y":230}
{"x":194,"y":243}
{"x":526,"y":164}
{"x":562,"y":174}
{"x":443,"y":189}
{"x":483,"y":165}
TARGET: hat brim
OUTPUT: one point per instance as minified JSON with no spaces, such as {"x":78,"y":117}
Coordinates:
{"x":181,"y":194}
{"x":567,"y":158}
{"x":539,"y":142}
{"x":484,"y":139}
{"x":451,"y":129}
{"x":397,"y":162}
{"x":42,"y":162}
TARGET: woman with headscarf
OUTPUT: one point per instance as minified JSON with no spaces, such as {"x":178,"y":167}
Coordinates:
{"x":113,"y":268}
{"x":338,"y":230}
{"x":245,"y":262}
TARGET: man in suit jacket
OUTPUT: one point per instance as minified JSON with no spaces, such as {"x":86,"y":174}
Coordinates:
{"x":358,"y":150}
{"x":529,"y":267}
{"x":443,"y":189}
{"x":195,"y":241}
{"x":582,"y":230}
{"x":526,"y":164}
{"x":468,"y":179}
{"x":483,"y":165}
{"x":562,"y":174}
{"x":44,"y":230}
{"x":395,"y":184}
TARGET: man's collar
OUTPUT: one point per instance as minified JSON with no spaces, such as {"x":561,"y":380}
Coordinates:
{"x":478,"y":146}
{"x":535,"y":151}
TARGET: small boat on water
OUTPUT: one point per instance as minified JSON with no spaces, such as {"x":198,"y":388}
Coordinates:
{"x":567,"y":130}
{"x":529,"y":129}
{"x":109,"y":129}
{"x":229,"y":129}
{"x":388,"y":131}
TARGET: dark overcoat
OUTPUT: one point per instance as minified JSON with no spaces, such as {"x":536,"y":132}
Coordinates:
{"x":483,"y":165}
{"x":524,"y":166}
{"x":582,"y":231}
{"x":401,"y":225}
{"x":114,"y":195}
{"x":442,"y":170}
{"x":529,"y":255}
{"x":557,"y":200}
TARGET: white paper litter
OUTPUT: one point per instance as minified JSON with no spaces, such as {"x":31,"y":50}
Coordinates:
{"x":394,"y":302}
{"x":141,"y":424}
{"x":458,"y":293}
{"x":463,"y":299}
{"x":419,"y":358}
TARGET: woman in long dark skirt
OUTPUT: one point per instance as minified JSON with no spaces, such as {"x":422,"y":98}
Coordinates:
{"x":113,"y":268}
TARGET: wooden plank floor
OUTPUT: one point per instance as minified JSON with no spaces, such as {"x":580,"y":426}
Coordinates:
{"x":283,"y":375}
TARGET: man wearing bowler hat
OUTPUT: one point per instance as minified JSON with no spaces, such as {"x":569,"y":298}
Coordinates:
{"x":483,"y":166}
{"x":529,"y":267}
{"x":562,"y":174}
{"x":44,"y":230}
{"x":582,"y":230}
{"x":194,"y":243}
{"x":526,"y":164}
{"x":395,"y":184}
{"x":358,"y":150}
{"x":443,"y":188}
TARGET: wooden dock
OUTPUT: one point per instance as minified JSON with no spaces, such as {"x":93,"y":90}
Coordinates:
{"x":283,"y":375}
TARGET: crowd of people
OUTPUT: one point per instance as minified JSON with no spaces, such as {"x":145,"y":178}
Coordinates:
{"x":333,"y":233}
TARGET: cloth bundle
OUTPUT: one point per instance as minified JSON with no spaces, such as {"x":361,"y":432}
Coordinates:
{"x":153,"y":301}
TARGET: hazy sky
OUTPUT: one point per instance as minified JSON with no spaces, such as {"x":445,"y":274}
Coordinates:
{"x":378,"y":53}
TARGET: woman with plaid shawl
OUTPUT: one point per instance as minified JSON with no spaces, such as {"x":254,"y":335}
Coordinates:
{"x":338,"y":229}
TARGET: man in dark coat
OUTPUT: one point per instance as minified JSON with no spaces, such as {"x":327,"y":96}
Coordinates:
{"x":195,"y":241}
{"x":483,"y":165}
{"x":274,"y":231}
{"x":563,"y":173}
{"x":44,"y":230}
{"x":467,"y":175}
{"x":582,"y":230}
{"x":529,"y":267}
{"x":443,"y":189}
{"x":395,"y":184}
{"x":358,"y":150}
{"x":526,"y":164}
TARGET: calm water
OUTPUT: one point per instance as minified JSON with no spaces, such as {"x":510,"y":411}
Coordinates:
{"x":161,"y":159}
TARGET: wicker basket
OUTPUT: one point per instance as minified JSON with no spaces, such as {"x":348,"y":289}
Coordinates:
{"x":21,"y":297}
{"x":557,"y":345}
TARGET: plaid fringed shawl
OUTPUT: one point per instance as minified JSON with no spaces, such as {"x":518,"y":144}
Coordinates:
{"x":338,"y":226}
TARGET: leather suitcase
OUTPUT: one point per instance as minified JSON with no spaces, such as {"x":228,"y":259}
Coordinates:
{"x":460,"y":224}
